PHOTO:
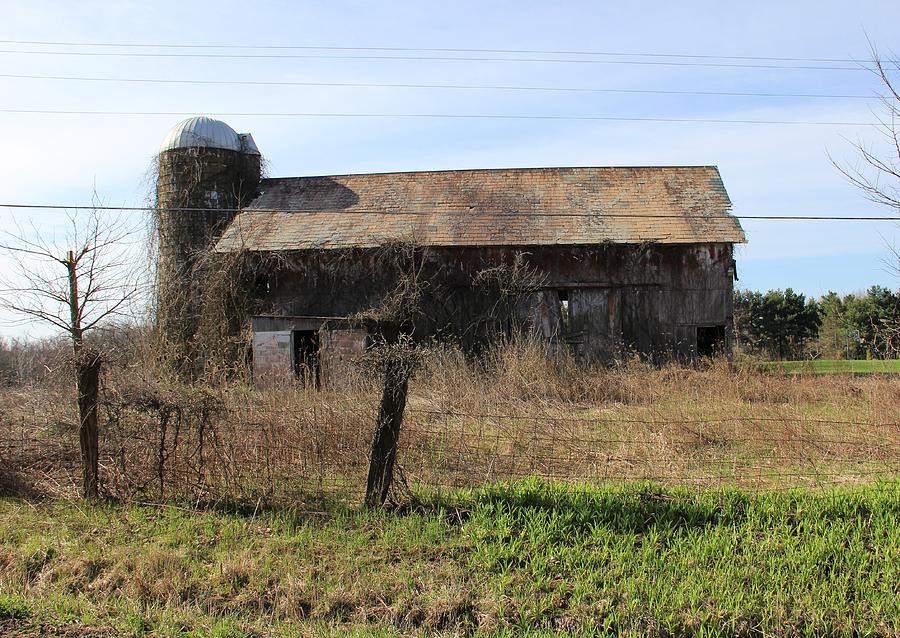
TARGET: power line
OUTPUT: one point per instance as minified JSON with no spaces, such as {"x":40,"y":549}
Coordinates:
{"x":463,"y":116}
{"x":430,"y":50}
{"x":439,"y":58}
{"x":466,"y":213}
{"x":489,"y":87}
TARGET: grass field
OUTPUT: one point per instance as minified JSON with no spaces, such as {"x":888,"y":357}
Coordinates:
{"x":531,"y":558}
{"x":834,"y":366}
{"x":716,"y":545}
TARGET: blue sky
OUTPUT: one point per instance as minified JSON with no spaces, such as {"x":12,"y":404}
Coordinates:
{"x":768,"y":169}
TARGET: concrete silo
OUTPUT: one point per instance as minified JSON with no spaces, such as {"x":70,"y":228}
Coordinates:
{"x":206,"y":172}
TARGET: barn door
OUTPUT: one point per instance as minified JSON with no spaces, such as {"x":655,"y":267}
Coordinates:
{"x":339,"y":348}
{"x":595,"y":323}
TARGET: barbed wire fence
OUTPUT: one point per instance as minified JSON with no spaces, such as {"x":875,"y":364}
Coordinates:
{"x":207,"y":453}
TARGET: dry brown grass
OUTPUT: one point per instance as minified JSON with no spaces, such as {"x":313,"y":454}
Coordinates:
{"x":517,"y":412}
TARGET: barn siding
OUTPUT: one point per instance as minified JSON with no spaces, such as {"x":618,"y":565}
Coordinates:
{"x":340,"y":349}
{"x":646,"y":299}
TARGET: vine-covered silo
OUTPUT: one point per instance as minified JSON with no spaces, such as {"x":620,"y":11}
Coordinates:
{"x":206,"y":173}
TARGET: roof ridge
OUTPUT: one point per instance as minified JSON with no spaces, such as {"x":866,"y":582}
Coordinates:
{"x":505,"y":169}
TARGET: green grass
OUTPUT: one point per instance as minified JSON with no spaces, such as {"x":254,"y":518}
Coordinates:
{"x":533,"y":558}
{"x":13,"y":608}
{"x":834,"y":366}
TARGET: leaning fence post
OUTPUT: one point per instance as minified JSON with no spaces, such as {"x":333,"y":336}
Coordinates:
{"x":387,"y":432}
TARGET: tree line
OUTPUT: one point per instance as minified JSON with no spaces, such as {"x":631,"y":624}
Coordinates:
{"x":783,"y":324}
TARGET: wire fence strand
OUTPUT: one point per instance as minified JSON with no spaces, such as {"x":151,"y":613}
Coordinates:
{"x":248,"y":451}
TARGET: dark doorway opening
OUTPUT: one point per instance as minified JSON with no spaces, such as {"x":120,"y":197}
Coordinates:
{"x":305,"y":351}
{"x":710,"y":341}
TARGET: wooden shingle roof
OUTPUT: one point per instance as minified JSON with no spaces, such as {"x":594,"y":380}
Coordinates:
{"x":495,"y":207}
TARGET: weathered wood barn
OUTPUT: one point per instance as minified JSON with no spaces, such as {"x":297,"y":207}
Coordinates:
{"x":621,"y":259}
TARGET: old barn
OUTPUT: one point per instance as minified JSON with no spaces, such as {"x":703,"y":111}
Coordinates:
{"x":621,"y":259}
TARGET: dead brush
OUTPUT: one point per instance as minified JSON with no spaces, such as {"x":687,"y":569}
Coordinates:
{"x":522,"y":411}
{"x":517,"y":411}
{"x":524,"y":372}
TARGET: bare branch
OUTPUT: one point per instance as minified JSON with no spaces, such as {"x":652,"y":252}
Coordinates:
{"x":93,"y":255}
{"x":876,"y":172}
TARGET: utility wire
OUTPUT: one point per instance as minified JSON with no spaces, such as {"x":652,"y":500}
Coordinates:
{"x":462,"y":116}
{"x":428,"y":50}
{"x":467,"y":213}
{"x":440,"y":58}
{"x":477,"y":87}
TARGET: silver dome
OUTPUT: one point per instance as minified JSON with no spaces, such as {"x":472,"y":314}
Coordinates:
{"x":202,"y":131}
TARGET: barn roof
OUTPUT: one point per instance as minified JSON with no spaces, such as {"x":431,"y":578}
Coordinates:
{"x":494,"y":207}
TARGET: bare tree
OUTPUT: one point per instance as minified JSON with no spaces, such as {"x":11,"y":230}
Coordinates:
{"x":75,"y":283}
{"x":876,"y":171}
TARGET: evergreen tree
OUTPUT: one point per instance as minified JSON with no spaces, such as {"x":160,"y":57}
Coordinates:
{"x":778,"y":324}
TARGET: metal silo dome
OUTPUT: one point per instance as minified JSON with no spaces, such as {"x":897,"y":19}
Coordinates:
{"x":201,"y":131}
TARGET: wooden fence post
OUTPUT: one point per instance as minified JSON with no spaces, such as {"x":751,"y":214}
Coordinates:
{"x":387,"y":432}
{"x":87,"y":384}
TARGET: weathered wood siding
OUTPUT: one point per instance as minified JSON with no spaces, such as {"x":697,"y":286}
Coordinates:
{"x":646,"y":299}
{"x":340,"y":350}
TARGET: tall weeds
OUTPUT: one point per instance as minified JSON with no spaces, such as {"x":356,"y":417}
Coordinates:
{"x":518,"y":410}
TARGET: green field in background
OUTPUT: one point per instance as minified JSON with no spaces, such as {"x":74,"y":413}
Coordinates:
{"x":834,"y":366}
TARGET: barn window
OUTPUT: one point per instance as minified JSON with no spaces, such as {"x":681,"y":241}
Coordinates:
{"x":710,"y":341}
{"x":305,"y":354}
